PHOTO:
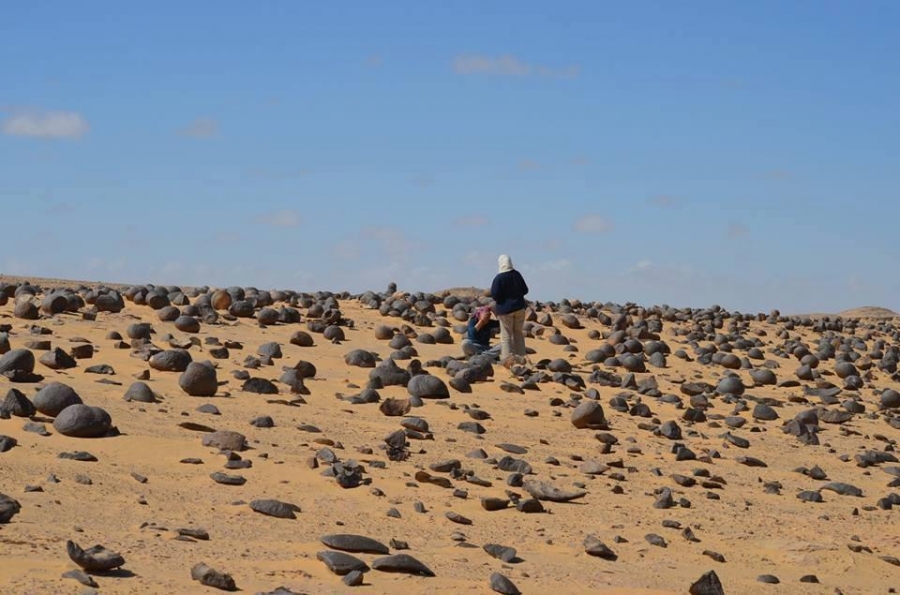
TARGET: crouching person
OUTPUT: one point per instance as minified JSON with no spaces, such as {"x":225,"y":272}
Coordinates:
{"x":478,"y":337}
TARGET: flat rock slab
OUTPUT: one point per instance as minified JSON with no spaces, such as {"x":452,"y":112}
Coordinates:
{"x":402,"y":563}
{"x":275,"y":508}
{"x":355,"y":544}
{"x":342,"y":564}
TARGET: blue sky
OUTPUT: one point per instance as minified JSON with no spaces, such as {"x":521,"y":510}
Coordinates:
{"x":686,"y":153}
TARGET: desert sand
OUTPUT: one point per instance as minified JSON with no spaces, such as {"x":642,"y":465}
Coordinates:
{"x":748,"y":516}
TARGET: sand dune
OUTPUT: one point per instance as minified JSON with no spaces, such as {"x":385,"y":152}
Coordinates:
{"x":750,"y":515}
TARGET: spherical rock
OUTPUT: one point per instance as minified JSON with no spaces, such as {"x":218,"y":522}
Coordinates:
{"x":268,"y":316}
{"x":199,"y":380}
{"x":890,"y":399}
{"x":844,"y":369}
{"x":763,"y":377}
{"x":221,"y":300}
{"x":140,"y":392}
{"x":426,"y":386}
{"x":732,"y":385}
{"x":83,"y":421}
{"x":171,"y":360}
{"x":589,"y":414}
{"x":55,"y":397}
{"x":242,"y":309}
{"x":187,"y":324}
{"x":360,"y":358}
{"x":26,"y":310}
{"x":139,"y":330}
{"x":302,"y":339}
{"x":168,"y":314}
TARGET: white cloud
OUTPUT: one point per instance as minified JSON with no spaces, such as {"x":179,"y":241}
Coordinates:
{"x":736,"y":230}
{"x":593,"y":224}
{"x":471,"y":221}
{"x":509,"y":65}
{"x":45,"y":124}
{"x":642,"y":265}
{"x":283,"y":218}
{"x":200,"y":128}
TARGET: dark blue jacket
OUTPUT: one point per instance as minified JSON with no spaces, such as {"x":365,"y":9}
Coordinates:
{"x":483,"y":336}
{"x":509,"y":291}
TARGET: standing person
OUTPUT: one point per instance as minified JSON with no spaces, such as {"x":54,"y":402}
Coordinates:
{"x":478,"y":337}
{"x":509,"y":291}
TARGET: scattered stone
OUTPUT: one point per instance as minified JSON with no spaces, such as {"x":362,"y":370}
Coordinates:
{"x":210,"y":577}
{"x":95,"y":559}
{"x":357,"y":544}
{"x":402,"y":563}
{"x":504,"y":586}
{"x":342,"y":564}
{"x":275,"y":508}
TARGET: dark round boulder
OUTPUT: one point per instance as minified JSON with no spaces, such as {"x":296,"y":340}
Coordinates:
{"x":268,"y":316}
{"x":157,"y":299}
{"x":171,"y":360}
{"x":55,"y":397}
{"x":845,"y":369}
{"x":633,"y":363}
{"x":54,"y":303}
{"x":360,"y":358}
{"x":26,"y":310}
{"x":731,"y":385}
{"x":763,"y":377}
{"x":187,"y":324}
{"x":560,"y":365}
{"x":271,"y":349}
{"x":588,"y":414}
{"x":199,"y":380}
{"x":426,"y":386}
{"x":384,"y":332}
{"x":139,"y":330}
{"x":140,"y":392}
{"x":306,"y":369}
{"x":17,"y":360}
{"x":168,"y":314}
{"x":83,"y":421}
{"x":334,"y":333}
{"x":390,"y":374}
{"x":890,"y":399}
{"x":302,"y":339}
{"x":242,"y":309}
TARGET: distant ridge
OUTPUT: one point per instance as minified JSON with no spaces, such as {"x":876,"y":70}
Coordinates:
{"x":869,"y":312}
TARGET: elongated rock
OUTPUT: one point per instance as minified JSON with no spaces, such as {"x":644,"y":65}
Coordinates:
{"x":342,"y":564}
{"x":95,"y":559}
{"x":211,"y":577}
{"x":550,"y":493}
{"x":356,"y":544}
{"x":402,"y":563}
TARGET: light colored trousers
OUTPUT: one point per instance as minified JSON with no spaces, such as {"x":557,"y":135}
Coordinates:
{"x":512,"y":334}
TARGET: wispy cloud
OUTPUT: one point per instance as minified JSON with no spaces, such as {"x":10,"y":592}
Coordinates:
{"x":283,"y":218}
{"x":509,"y":65}
{"x":471,"y":221}
{"x":36,"y":123}
{"x":200,"y":128}
{"x":736,"y":230}
{"x":374,"y":61}
{"x":641,"y":265}
{"x":593,"y":224}
{"x":662,"y":201}
{"x":581,"y":161}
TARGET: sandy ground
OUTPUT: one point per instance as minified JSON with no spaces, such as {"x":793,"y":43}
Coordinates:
{"x":757,"y":533}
